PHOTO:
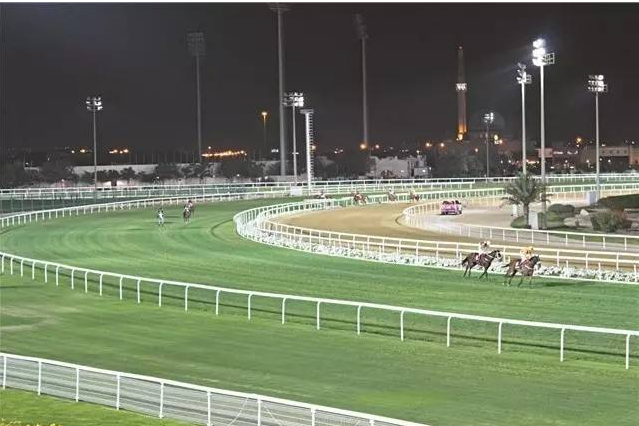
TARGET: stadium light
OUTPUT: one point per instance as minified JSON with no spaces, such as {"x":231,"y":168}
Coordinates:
{"x":264,"y":115}
{"x":308,"y":119}
{"x":280,"y":9}
{"x":542,"y":58}
{"x":597,"y":85}
{"x":523,"y":78}
{"x":293,"y":100}
{"x":94,"y":104}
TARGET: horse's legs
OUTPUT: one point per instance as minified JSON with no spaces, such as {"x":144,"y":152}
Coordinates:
{"x":521,"y":280}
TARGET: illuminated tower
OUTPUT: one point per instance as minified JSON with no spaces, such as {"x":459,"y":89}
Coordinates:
{"x":462,"y":127}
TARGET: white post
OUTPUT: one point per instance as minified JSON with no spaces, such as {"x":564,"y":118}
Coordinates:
{"x":121,"y":278}
{"x":317,"y":325}
{"x":11,"y":266}
{"x":249,"y":306}
{"x":4,"y":372}
{"x":561,"y":346}
{"x":186,"y":298}
{"x":208,"y":408}
{"x":33,"y":270}
{"x":22,"y":268}
{"x":359,"y":310}
{"x":499,"y":338}
{"x":627,"y":351}
{"x":77,"y":384}
{"x":313,"y":416}
{"x":217,"y":302}
{"x":283,"y":310}
{"x":401,"y":326}
{"x":100,"y":284}
{"x":57,"y":281}
{"x":161,"y":415}
{"x":72,"y":283}
{"x":117,"y":392}
{"x":259,"y":412}
{"x":160,"y":295}
{"x":46,"y":276}
{"x":39,"y":377}
{"x":448,"y":331}
{"x":86,"y":284}
{"x":137,"y":286}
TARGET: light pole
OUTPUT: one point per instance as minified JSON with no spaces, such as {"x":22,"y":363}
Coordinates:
{"x":293,"y":100}
{"x":541,"y":58}
{"x":197,"y":49}
{"x":308,"y":119}
{"x":523,"y":78}
{"x":280,"y":9}
{"x":94,"y":104}
{"x":363,"y":35}
{"x":596,"y":85}
{"x":264,"y":116}
{"x":489,"y":118}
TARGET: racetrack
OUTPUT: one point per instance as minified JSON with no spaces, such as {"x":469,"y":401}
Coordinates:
{"x":419,"y":379}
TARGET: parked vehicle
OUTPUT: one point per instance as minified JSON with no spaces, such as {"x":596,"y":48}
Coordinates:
{"x":450,"y":207}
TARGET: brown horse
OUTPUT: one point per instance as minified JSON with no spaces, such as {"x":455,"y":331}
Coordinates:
{"x":483,"y":260}
{"x":186,"y":215}
{"x":360,"y":198}
{"x":526,"y":267}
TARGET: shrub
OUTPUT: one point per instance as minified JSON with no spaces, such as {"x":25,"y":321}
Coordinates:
{"x":519,"y":222}
{"x":608,"y":221}
{"x":562,"y":210}
{"x":553,"y":220}
{"x":621,"y":202}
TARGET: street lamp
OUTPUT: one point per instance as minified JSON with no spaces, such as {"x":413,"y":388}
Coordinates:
{"x":363,"y":36}
{"x":94,"y":104}
{"x":293,"y":100}
{"x":264,"y":116}
{"x":596,"y":85}
{"x":541,"y":58}
{"x":489,"y":118}
{"x":523,"y":78}
{"x":308,"y":119}
{"x":197,"y":49}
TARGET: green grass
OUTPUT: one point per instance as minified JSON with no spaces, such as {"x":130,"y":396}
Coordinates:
{"x":19,"y":408}
{"x":418,"y":379}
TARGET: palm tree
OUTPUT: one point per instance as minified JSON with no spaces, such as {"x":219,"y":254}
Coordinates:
{"x":523,"y":191}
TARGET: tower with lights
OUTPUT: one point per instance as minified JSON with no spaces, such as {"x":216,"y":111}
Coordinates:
{"x":461,"y":87}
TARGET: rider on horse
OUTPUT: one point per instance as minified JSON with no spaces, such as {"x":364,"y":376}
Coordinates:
{"x":160,"y":217}
{"x":484,"y":250}
{"x":525,"y":253}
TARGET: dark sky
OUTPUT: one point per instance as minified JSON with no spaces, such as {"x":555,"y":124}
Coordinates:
{"x":135,"y":56}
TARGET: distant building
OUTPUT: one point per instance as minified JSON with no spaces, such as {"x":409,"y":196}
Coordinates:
{"x":394,"y":167}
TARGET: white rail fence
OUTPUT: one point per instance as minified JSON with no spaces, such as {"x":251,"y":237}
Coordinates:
{"x":258,"y":225}
{"x":332,"y":187}
{"x":418,"y":217}
{"x":82,"y":275}
{"x":172,"y":399}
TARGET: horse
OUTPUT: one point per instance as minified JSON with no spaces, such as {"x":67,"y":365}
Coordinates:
{"x":413,"y":197}
{"x":186,"y":215}
{"x":391,"y":196}
{"x":483,"y":260}
{"x":526,"y":267}
{"x":360,"y":198}
{"x":192,"y":209}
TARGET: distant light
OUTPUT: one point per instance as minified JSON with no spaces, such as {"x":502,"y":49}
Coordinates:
{"x":476,"y":149}
{"x":362,"y":146}
{"x":72,"y":152}
{"x":441,"y":144}
{"x":540,"y":42}
{"x":264,"y":114}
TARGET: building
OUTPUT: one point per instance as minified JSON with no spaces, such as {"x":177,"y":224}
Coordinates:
{"x":401,"y":168}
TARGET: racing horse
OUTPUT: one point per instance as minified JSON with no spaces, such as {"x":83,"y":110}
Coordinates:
{"x":483,"y":260}
{"x":186,"y":214}
{"x":413,"y":196}
{"x":360,"y":198}
{"x":525,"y":266}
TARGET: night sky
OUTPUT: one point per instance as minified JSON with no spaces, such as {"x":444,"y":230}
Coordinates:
{"x":136,"y":58}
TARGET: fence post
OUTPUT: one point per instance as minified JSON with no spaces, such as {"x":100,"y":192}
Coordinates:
{"x":499,"y":338}
{"x":161,"y":415}
{"x":121,"y":278}
{"x":100,"y":284}
{"x":117,"y":392}
{"x":448,"y":331}
{"x":46,"y":276}
{"x":4,"y":372}
{"x":86,"y":284}
{"x":186,"y":298}
{"x":39,"y":377}
{"x":77,"y":384}
{"x":313,"y":416}
{"x":72,"y":279}
{"x":401,"y":326}
{"x":359,"y":310}
{"x":627,"y":351}
{"x":160,"y":295}
{"x":137,"y":287}
{"x":217,"y":302}
{"x":2,"y":268}
{"x":561,"y":346}
{"x":249,"y":306}
{"x":259,"y":412}
{"x":57,"y":281}
{"x":22,"y":267}
{"x":283,"y":310}
{"x":11,"y":265}
{"x":208,"y":408}
{"x":317,"y":325}
{"x":33,"y":270}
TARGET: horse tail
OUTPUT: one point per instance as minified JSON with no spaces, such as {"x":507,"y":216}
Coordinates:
{"x":465,"y":261}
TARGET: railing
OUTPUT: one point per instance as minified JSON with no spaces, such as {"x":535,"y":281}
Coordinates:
{"x":171,"y":399}
{"x":82,"y":274}
{"x":416,"y":216}
{"x":330,"y":186}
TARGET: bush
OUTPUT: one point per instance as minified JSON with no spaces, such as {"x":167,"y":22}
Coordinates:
{"x":553,"y":220}
{"x":608,"y":221}
{"x":518,"y":222}
{"x":620,"y":202}
{"x":562,"y":210}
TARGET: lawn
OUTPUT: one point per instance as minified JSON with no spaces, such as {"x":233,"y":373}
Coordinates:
{"x":418,"y":379}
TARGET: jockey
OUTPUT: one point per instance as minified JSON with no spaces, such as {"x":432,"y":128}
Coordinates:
{"x":484,"y":249}
{"x":160,"y":217}
{"x":322,"y":195}
{"x":526,"y":252}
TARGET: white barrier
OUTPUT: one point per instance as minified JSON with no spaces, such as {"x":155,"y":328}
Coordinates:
{"x":170,"y":399}
{"x":283,"y":298}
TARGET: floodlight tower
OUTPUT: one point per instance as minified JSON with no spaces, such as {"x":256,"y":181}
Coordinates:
{"x":293,"y":100}
{"x":489,"y":119}
{"x":597,"y":85}
{"x":94,"y":104}
{"x":541,"y":58}
{"x":197,"y":49}
{"x":308,"y":119}
{"x":280,"y":9}
{"x":460,"y":88}
{"x":523,"y":78}
{"x":363,"y":36}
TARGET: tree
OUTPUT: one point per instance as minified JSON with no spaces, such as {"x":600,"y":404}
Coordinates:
{"x":113,"y":176}
{"x":87,"y":177}
{"x":166,"y":171}
{"x":523,"y":191}
{"x":234,"y":167}
{"x":55,"y":171}
{"x":14,"y":174}
{"x":198,"y":170}
{"x":128,"y":174}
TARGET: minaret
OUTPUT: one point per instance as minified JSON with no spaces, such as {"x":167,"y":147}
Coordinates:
{"x":462,"y":127}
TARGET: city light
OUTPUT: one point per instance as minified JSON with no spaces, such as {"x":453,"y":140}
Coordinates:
{"x":362,"y":146}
